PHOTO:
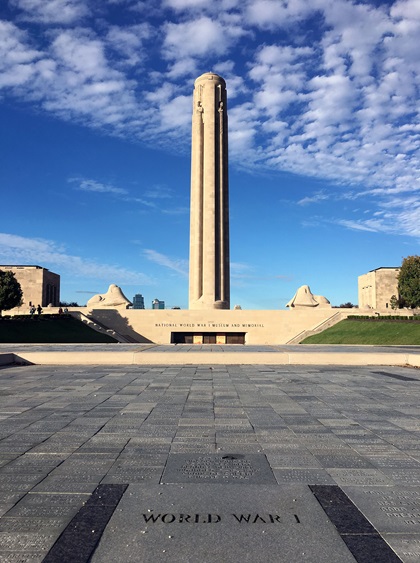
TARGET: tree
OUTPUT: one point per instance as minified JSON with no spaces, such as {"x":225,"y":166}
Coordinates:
{"x":409,"y":282}
{"x":394,"y":302}
{"x":10,"y":291}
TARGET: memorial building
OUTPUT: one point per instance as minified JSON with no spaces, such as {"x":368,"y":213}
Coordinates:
{"x":39,"y":285}
{"x":377,"y":287}
{"x":209,"y":319}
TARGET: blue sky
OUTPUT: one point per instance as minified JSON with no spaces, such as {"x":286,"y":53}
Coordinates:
{"x":324,"y":133}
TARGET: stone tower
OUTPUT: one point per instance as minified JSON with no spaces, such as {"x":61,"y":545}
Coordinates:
{"x":209,"y":230}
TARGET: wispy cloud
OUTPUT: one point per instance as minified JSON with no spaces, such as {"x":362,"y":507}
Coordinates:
{"x":241,"y":271}
{"x":87,"y":185}
{"x":177,"y":265}
{"x":159,"y":192}
{"x":152,"y":198}
{"x":316,"y":198}
{"x":16,"y":249}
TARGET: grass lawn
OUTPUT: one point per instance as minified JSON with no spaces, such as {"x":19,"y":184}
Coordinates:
{"x":45,"y":330}
{"x":368,"y":332}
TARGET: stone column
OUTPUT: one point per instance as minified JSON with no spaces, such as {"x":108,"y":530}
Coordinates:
{"x":209,"y":230}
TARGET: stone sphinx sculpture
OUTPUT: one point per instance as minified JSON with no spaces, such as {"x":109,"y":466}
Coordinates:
{"x":114,"y":297}
{"x":305,"y":298}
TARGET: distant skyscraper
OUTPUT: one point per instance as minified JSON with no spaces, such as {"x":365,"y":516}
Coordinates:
{"x":209,"y":230}
{"x":156,"y":304}
{"x":138,"y":301}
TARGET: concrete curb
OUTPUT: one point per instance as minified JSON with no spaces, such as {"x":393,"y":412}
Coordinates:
{"x":6,"y":359}
{"x":214,"y":358}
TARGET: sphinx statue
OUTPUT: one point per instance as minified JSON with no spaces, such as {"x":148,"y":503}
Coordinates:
{"x":114,"y":297}
{"x":305,"y":298}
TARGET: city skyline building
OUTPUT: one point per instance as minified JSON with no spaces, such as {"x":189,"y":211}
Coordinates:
{"x":157,"y":304}
{"x":209,"y":280}
{"x":138,"y":301}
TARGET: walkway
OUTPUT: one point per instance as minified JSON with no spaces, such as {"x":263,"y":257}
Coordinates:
{"x":188,"y":463}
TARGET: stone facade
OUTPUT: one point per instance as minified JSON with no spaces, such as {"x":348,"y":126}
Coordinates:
{"x":39,"y":285}
{"x":377,"y":287}
{"x":214,"y":326}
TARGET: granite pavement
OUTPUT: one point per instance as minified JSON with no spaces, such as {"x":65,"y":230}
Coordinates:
{"x":209,"y":463}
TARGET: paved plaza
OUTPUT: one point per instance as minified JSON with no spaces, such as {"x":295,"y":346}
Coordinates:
{"x":209,"y":463}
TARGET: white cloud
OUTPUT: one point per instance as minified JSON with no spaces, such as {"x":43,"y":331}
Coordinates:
{"x":186,"y":4}
{"x":316,"y":198}
{"x":18,"y":61}
{"x":370,"y":226}
{"x":216,"y":7}
{"x":201,"y":37}
{"x":159,"y":192}
{"x":272,"y":13}
{"x":176,"y":113}
{"x":15,"y":249}
{"x":177,"y":265}
{"x":52,"y":11}
{"x":129,"y":42}
{"x":87,"y":185}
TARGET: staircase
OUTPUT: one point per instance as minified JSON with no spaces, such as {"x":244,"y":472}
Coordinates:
{"x":334,"y":319}
{"x":100,"y":327}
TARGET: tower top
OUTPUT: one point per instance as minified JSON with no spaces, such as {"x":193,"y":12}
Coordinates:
{"x":211,"y":76}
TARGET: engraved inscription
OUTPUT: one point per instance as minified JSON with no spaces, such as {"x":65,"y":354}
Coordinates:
{"x":182,"y":518}
{"x":228,"y":467}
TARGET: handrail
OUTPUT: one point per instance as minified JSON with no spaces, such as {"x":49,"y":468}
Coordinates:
{"x":315,"y":329}
{"x":100,"y":327}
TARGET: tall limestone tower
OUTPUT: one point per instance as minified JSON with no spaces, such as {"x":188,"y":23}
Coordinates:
{"x":209,"y":230}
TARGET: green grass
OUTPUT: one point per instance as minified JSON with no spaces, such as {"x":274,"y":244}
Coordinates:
{"x":46,"y":330}
{"x":368,"y":332}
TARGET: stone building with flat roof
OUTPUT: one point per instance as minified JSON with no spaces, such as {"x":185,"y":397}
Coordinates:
{"x":39,"y":285}
{"x":377,"y":287}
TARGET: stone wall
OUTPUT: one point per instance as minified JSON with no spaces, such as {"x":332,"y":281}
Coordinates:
{"x":39,"y":285}
{"x":260,"y":327}
{"x":377,"y":287}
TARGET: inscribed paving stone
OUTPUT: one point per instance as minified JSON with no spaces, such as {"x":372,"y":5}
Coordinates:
{"x":277,"y":460}
{"x":64,"y":484}
{"x":220,"y":468}
{"x":404,"y":476}
{"x":149,"y":474}
{"x":407,"y":546}
{"x":48,"y":505}
{"x":309,"y":476}
{"x":225,"y":524}
{"x":17,"y":483}
{"x":180,"y":447}
{"x":27,"y":557}
{"x":341,"y":461}
{"x":395,"y":510}
{"x":29,"y":541}
{"x":363,"y":477}
{"x":392,"y":461}
{"x":51,"y":526}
